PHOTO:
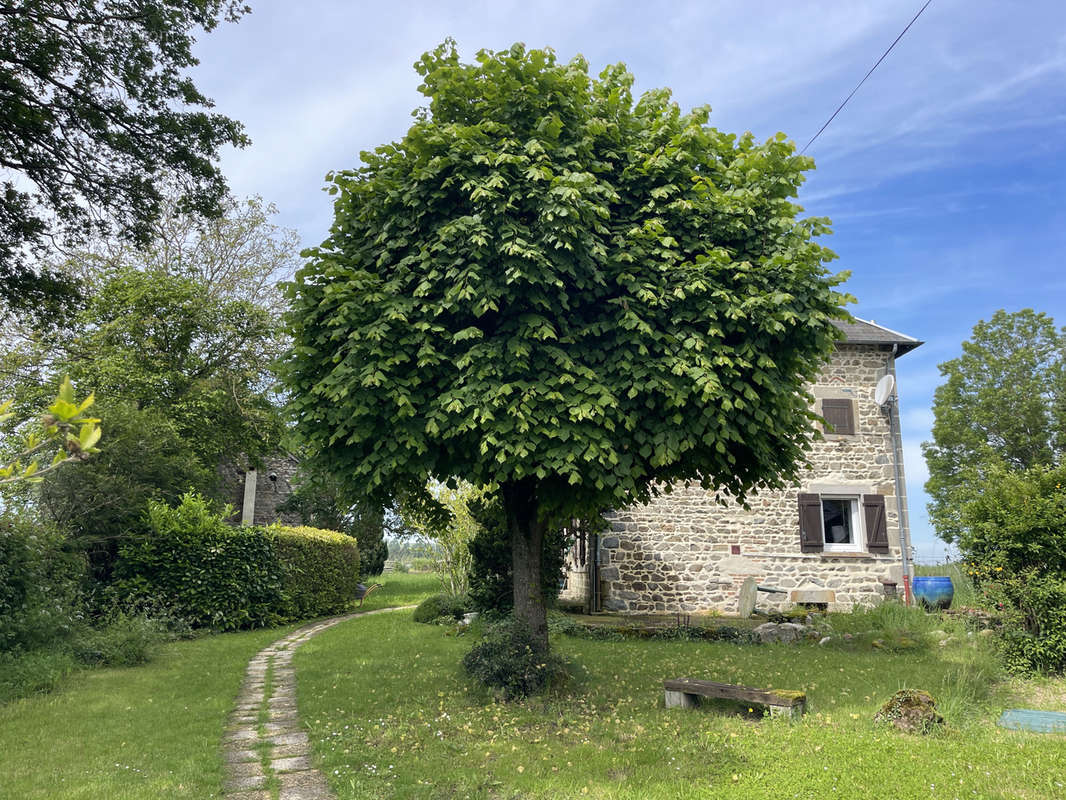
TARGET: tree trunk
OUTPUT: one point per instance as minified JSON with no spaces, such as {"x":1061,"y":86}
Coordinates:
{"x":527,"y":544}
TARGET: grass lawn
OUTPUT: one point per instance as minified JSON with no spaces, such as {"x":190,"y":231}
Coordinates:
{"x":391,"y":716}
{"x":142,"y":732}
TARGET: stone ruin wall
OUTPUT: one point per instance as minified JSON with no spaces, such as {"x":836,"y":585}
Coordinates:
{"x":268,"y":494}
{"x":676,"y":554}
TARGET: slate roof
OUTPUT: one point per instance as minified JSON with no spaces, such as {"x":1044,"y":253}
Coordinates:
{"x":861,"y":331}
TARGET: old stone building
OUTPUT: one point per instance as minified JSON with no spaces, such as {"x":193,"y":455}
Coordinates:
{"x":835,"y":538}
{"x":256,"y":493}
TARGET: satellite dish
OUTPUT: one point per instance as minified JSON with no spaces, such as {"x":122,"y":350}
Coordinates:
{"x":884,"y":389}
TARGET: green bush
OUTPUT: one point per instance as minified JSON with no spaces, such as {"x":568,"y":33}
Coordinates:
{"x":40,"y":579}
{"x":320,"y":570}
{"x":191,"y":561}
{"x":99,"y":504}
{"x":508,"y":661}
{"x":1032,"y":607}
{"x":441,"y":605}
{"x":33,"y":672}
{"x":217,"y":576}
{"x":124,"y":641}
{"x":1016,"y":519}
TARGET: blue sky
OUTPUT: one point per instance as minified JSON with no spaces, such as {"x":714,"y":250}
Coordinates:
{"x":944,"y":176}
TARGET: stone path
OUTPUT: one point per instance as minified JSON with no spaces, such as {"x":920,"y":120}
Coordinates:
{"x":264,"y":738}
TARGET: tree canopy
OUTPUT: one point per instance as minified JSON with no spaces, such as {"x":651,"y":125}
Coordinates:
{"x":1001,"y":408}
{"x":575,"y":296}
{"x":187,"y":325}
{"x":98,"y":115}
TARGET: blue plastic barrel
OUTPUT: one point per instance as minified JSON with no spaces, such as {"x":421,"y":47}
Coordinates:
{"x":934,"y":591}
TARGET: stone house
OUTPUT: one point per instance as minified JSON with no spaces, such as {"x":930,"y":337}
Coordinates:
{"x":833,"y":539}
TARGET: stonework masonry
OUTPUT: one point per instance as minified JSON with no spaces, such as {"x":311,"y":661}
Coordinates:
{"x":269,"y":494}
{"x":684,"y":552}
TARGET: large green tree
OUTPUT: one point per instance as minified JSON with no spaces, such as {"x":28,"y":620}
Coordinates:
{"x":95,"y":106}
{"x":1001,"y":408}
{"x":578,"y":297}
{"x":160,"y":341}
{"x":189,"y":325}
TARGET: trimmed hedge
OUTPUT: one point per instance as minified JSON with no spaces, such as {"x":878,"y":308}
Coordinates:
{"x":320,"y":570}
{"x":200,"y":568}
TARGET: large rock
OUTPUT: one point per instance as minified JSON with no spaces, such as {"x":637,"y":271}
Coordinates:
{"x":770,"y":632}
{"x":791,"y":631}
{"x":910,"y":710}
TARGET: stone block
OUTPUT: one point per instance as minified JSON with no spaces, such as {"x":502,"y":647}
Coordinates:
{"x":813,"y":596}
{"x":679,"y":700}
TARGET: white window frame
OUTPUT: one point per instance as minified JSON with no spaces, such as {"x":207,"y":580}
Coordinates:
{"x":858,"y":543}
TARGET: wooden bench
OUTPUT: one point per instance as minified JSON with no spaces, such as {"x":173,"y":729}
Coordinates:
{"x":362,"y":591}
{"x":686,"y":692}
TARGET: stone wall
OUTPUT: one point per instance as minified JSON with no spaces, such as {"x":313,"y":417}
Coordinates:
{"x":686,"y":553}
{"x":269,"y":494}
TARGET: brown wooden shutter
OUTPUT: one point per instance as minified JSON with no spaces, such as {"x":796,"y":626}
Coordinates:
{"x":810,"y":510}
{"x":839,"y":415}
{"x":873,"y":509}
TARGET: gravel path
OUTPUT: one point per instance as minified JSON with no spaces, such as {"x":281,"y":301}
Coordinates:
{"x":264,"y":737}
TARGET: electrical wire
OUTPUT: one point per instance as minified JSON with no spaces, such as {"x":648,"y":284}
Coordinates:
{"x":868,"y":74}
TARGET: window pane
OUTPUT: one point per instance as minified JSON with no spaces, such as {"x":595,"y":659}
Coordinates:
{"x":836,"y":518}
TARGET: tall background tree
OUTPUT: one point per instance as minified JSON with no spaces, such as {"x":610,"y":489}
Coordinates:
{"x":1001,"y":407}
{"x":997,"y":474}
{"x":95,"y":108}
{"x":575,"y":296}
{"x":178,"y":338}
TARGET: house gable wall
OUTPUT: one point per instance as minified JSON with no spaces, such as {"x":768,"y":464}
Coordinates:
{"x":677,"y":554}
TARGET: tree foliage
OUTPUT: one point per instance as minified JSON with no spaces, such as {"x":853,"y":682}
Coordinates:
{"x":1015,"y":520}
{"x":445,"y":519}
{"x":95,"y":106}
{"x":571,"y":294}
{"x":1002,"y":408}
{"x":188,"y":324}
{"x":64,"y":433}
{"x":101,"y":504}
{"x":157,"y":340}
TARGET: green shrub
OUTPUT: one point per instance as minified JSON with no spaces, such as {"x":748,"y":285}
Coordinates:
{"x":1032,"y":607}
{"x":437,"y":606}
{"x":33,"y":672}
{"x":99,"y":504}
{"x":40,"y":579}
{"x":124,"y":641}
{"x":508,"y":660}
{"x":320,"y":570}
{"x":214,"y":575}
{"x":1016,"y":520}
{"x":217,"y":576}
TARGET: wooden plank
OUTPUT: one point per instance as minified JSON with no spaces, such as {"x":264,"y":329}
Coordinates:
{"x":1028,"y":719}
{"x":729,"y":691}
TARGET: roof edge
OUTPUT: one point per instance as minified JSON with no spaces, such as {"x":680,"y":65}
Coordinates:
{"x":903,"y":343}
